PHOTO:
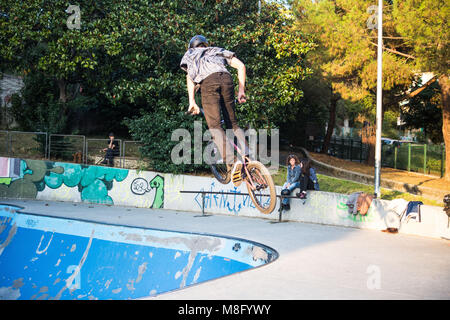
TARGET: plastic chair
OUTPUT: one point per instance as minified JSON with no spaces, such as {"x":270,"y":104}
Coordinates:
{"x":412,"y":211}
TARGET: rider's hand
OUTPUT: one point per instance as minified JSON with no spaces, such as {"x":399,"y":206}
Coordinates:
{"x":241,"y":96}
{"x":193,"y":108}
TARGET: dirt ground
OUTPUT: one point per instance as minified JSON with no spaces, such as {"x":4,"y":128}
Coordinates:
{"x":413,"y":178}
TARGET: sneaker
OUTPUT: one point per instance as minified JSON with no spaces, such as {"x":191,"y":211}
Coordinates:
{"x":301,"y":195}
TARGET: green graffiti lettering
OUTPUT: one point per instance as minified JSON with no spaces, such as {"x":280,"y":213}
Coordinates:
{"x":158,"y":183}
{"x":6,"y":181}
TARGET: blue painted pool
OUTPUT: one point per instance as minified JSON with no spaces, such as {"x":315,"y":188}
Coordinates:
{"x":44,"y":257}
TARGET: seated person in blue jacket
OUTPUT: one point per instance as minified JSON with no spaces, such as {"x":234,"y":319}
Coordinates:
{"x":308,"y":178}
{"x":293,"y":174}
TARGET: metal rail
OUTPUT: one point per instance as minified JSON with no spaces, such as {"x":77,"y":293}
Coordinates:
{"x":280,"y":210}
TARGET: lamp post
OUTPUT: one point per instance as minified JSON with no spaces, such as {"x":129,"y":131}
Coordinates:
{"x":379,"y":99}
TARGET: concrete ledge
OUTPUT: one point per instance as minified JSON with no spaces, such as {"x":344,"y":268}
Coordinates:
{"x":58,"y":181}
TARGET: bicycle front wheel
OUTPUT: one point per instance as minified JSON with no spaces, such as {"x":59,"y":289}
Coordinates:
{"x":261,"y":188}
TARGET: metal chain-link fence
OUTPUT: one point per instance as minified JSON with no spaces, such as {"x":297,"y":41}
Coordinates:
{"x":349,"y":149}
{"x":422,"y":158}
{"x":67,"y":148}
{"x":21,"y":144}
{"x":95,"y":151}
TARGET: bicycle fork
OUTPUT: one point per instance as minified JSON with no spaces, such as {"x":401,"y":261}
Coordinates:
{"x":250,"y":182}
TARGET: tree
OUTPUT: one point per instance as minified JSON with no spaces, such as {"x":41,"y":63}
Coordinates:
{"x":424,"y":27}
{"x":127,"y":53}
{"x":35,"y":42}
{"x":346,"y":56}
{"x":424,"y":111}
{"x":262,"y":39}
{"x":272,"y":55}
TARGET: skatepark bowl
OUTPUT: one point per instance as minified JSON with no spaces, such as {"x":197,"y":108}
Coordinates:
{"x":44,"y":257}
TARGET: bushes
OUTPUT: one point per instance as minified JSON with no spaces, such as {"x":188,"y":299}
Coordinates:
{"x":155,"y":131}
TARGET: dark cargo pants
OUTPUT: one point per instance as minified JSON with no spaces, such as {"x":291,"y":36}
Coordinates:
{"x":218,"y":97}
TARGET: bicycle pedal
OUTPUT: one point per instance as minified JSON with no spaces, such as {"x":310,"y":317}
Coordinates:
{"x":236,"y":176}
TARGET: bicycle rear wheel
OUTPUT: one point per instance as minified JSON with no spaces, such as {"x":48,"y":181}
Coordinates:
{"x":263,"y":195}
{"x":219,"y":170}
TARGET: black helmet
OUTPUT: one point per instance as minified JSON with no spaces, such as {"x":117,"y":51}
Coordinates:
{"x":197,"y":41}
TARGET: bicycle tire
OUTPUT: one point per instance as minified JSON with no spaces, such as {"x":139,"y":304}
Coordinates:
{"x":220,"y":171}
{"x":258,"y":172}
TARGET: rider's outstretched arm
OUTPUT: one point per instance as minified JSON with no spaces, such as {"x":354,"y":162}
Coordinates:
{"x":191,"y":93}
{"x":239,"y":65}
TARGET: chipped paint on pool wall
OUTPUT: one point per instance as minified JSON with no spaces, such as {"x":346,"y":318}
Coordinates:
{"x":52,"y":258}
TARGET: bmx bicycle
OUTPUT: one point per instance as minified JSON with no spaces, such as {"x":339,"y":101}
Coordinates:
{"x":257,"y":177}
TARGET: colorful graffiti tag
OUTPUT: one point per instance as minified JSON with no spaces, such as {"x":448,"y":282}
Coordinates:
{"x":140,"y":186}
{"x":29,"y":178}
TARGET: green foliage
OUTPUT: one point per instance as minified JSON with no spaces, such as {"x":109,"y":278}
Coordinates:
{"x":424,"y":111}
{"x":155,"y":131}
{"x":37,"y":107}
{"x":424,"y":27}
{"x":390,"y":125}
{"x":127,"y":53}
{"x":310,"y":118}
{"x":346,"y":55}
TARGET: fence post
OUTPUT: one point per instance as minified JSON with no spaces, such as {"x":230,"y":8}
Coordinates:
{"x":360,"y":151}
{"x":351,"y":149}
{"x":409,"y":156}
{"x":46,"y":146}
{"x":395,"y":156}
{"x":10,"y":144}
{"x":87,"y":149}
{"x":122,"y":151}
{"x":425,"y":158}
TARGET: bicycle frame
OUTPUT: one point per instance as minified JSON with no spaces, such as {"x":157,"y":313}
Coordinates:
{"x":248,"y":179}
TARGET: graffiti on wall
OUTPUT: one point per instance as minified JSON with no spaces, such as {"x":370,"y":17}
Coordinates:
{"x":234,"y":203}
{"x":319,"y":204}
{"x":28,"y":178}
{"x":140,"y":186}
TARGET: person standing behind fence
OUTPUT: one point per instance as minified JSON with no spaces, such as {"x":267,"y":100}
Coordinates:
{"x":293,"y":174}
{"x":111,"y":151}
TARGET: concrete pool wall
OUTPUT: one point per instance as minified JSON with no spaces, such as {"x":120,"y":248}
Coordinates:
{"x":44,"y":257}
{"x":59,"y":181}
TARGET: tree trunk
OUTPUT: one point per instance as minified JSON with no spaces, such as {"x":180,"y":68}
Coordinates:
{"x":331,"y":124}
{"x":62,"y":90}
{"x":368,"y":137}
{"x":444,"y":82}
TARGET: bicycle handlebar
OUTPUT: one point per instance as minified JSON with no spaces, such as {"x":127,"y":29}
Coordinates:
{"x":191,"y":114}
{"x":201,"y":110}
